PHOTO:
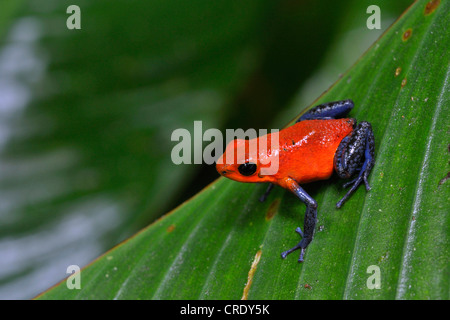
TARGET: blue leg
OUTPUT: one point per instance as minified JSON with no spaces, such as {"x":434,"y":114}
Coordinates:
{"x":355,"y":153}
{"x":310,"y":220}
{"x":329,"y":110}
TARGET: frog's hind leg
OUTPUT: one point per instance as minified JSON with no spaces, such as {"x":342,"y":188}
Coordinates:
{"x":355,"y":153}
{"x":329,"y":110}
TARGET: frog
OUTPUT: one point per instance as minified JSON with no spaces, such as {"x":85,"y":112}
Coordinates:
{"x":322,"y":142}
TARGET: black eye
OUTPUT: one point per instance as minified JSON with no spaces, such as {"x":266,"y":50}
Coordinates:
{"x":247,"y":169}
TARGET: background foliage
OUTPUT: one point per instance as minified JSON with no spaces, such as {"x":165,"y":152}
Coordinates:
{"x":87,"y":115}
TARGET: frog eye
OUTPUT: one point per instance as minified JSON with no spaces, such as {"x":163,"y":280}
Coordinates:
{"x":247,"y":169}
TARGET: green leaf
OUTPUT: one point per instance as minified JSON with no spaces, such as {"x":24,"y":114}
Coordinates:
{"x":224,"y":244}
{"x":7,"y":10}
{"x":87,"y":117}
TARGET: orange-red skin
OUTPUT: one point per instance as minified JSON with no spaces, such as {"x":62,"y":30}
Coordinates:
{"x":306,"y":152}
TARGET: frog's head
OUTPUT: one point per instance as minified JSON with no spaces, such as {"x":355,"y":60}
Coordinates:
{"x":241,"y":162}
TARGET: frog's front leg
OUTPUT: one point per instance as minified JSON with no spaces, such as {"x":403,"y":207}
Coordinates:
{"x":310,"y":218}
{"x":266,"y":194}
{"x":355,"y":153}
{"x":330,"y":110}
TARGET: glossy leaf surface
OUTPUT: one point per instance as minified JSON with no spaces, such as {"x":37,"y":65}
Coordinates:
{"x":224,"y":244}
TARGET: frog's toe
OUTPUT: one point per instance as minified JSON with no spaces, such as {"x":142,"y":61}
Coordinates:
{"x":298,"y":246}
{"x":301,"y":245}
{"x":284,"y":254}
{"x":302,"y":253}
{"x":299,"y":231}
{"x":348,"y":184}
{"x":354,"y":185}
{"x":368,"y":187}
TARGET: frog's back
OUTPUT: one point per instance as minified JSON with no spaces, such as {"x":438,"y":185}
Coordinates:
{"x":307,"y":148}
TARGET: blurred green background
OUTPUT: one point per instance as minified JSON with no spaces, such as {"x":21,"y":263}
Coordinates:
{"x":86,"y":115}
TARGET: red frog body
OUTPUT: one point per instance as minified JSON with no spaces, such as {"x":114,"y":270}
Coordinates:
{"x":320,"y":142}
{"x":305,"y":152}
